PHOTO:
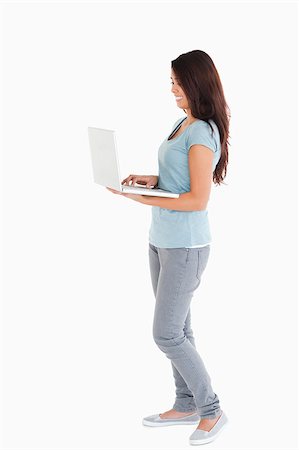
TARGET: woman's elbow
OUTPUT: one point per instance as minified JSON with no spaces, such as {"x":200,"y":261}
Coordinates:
{"x":201,"y":204}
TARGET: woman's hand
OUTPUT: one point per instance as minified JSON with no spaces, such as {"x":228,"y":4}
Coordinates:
{"x":148,"y":180}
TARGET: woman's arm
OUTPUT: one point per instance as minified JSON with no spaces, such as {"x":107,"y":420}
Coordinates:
{"x":185,"y":202}
{"x":200,"y":168}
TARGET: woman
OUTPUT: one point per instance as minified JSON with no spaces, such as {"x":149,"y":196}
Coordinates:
{"x":194,"y":154}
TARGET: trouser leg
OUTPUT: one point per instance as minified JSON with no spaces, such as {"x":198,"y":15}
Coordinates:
{"x":179,"y":276}
{"x":184,"y":398}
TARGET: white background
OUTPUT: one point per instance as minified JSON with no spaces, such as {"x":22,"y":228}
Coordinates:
{"x":80,"y":367}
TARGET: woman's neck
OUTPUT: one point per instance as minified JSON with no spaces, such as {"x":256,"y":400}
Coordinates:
{"x":190,"y":119}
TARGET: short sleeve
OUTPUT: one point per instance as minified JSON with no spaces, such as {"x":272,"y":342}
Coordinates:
{"x":201,"y":133}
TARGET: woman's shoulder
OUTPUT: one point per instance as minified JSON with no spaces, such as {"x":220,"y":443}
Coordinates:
{"x":205,"y":126}
{"x":205,"y":132}
{"x":204,"y":123}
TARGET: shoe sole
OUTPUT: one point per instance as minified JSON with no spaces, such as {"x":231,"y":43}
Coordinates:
{"x":205,"y":441}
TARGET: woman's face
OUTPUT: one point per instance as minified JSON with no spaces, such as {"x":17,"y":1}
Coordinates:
{"x":181,"y":99}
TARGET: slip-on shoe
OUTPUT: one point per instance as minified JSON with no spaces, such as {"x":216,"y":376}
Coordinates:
{"x":203,"y":437}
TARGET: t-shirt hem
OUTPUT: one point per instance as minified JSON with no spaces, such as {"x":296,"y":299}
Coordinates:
{"x":180,"y":246}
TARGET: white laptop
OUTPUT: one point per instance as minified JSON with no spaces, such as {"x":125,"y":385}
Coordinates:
{"x":105,"y":164}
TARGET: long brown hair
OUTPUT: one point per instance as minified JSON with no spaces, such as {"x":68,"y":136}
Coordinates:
{"x":201,"y":83}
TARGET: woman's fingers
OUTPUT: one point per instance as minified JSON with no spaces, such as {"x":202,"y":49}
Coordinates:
{"x":126,"y":180}
{"x":134,"y":178}
{"x":147,"y":180}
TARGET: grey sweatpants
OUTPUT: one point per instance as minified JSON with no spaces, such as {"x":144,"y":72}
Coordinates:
{"x":175,"y":275}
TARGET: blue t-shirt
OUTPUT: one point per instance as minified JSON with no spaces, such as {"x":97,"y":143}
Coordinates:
{"x":172,"y":228}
